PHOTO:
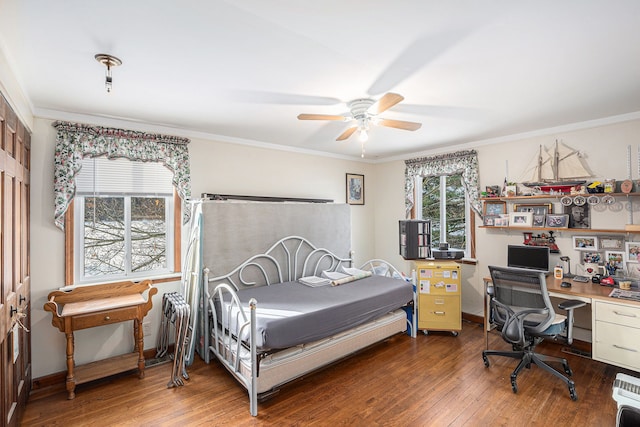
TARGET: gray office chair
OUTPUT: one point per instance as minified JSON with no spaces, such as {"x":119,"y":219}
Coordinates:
{"x":522,"y":311}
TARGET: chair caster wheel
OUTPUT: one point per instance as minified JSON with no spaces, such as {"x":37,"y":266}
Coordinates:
{"x":486,"y":361}
{"x":572,"y":391}
{"x":514,"y":386}
{"x":568,"y":371}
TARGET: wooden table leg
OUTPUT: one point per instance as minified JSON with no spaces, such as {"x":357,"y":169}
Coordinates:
{"x":71,"y":380}
{"x":138,"y":332}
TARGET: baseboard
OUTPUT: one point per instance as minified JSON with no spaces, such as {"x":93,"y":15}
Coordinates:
{"x":473,"y":318}
{"x":57,"y":380}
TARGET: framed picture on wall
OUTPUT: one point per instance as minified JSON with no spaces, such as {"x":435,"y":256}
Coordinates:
{"x":355,"y":189}
{"x":615,"y":243}
{"x":585,"y":243}
{"x":632,"y":250}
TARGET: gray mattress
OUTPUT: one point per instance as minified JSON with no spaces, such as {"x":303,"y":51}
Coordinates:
{"x":290,"y":313}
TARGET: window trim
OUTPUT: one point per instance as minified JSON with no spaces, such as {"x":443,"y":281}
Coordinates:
{"x":69,"y":245}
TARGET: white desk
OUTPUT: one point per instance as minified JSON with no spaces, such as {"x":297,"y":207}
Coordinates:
{"x":615,"y":324}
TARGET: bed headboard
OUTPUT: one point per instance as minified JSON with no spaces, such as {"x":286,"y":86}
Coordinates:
{"x":287,"y":260}
{"x":232,"y":232}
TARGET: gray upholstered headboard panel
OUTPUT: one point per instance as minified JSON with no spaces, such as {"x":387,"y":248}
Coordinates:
{"x":234,"y":231}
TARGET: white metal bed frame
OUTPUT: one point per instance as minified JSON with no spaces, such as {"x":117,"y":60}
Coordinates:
{"x":287,"y":260}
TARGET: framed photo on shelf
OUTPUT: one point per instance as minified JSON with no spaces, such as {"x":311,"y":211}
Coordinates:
{"x":492,"y":190}
{"x":615,"y":259}
{"x":539,"y":211}
{"x":578,"y":215}
{"x":632,"y":250}
{"x":557,"y":220}
{"x":501,"y":221}
{"x":614,"y":243}
{"x":591,"y":257}
{"x":494,"y":207}
{"x":355,"y":189}
{"x":490,"y":220}
{"x":585,"y":243}
{"x":510,"y":190}
{"x":520,"y":219}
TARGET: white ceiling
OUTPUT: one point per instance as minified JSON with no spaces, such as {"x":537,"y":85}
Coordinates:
{"x":243,"y":70}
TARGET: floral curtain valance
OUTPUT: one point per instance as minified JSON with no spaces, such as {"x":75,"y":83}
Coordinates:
{"x":463,"y":162}
{"x":75,"y":141}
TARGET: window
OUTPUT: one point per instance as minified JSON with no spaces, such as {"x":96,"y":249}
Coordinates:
{"x":122,"y":189}
{"x":446,"y":181}
{"x":442,"y":200}
{"x":123,"y":220}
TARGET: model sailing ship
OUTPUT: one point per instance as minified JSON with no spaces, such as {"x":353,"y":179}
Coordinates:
{"x":559,"y":170}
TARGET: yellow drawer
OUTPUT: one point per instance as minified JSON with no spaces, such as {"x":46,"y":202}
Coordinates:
{"x":442,"y":288}
{"x":616,"y":313}
{"x":618,"y":345}
{"x":439,"y":312}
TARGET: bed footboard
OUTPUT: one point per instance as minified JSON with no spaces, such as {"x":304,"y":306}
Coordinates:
{"x":227,"y":344}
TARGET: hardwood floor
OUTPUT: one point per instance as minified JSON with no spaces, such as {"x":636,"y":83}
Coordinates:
{"x":434,"y":380}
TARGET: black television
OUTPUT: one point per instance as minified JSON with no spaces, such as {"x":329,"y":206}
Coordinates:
{"x":530,"y":257}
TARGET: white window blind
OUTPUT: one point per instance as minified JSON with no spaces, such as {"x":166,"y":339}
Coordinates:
{"x":102,"y":176}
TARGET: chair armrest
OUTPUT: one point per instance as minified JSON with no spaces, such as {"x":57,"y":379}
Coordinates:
{"x":571,"y":304}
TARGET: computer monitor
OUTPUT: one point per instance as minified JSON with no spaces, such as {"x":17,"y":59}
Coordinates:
{"x":531,"y":257}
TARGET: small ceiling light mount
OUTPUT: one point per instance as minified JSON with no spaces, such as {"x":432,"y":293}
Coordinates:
{"x":108,"y":61}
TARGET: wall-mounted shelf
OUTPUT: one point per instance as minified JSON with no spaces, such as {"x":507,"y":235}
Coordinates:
{"x":557,"y":196}
{"x":562,"y":229}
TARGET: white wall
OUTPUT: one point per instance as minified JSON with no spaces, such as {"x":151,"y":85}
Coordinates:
{"x":236,"y":169}
{"x":215,"y":168}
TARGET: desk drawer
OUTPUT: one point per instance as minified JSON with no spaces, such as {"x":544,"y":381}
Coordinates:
{"x":618,"y":345}
{"x":103,"y":317}
{"x":617,"y":313}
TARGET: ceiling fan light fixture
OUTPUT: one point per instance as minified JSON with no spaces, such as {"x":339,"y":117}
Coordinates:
{"x":363,"y":136}
{"x":364,"y":112}
{"x":108,"y":61}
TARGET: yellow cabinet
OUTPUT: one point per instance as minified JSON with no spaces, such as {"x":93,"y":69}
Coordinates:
{"x":438,"y":287}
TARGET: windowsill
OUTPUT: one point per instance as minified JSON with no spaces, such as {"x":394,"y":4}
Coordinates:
{"x":161,"y":278}
{"x":468,"y":261}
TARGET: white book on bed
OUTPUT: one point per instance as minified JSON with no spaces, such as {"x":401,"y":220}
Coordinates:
{"x":334,"y":275}
{"x":350,"y":271}
{"x":314,"y":281}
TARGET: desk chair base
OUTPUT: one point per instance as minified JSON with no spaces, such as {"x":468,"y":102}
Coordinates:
{"x":527,"y":357}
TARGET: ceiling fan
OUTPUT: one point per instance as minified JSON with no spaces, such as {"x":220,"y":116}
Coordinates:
{"x":364,"y":112}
